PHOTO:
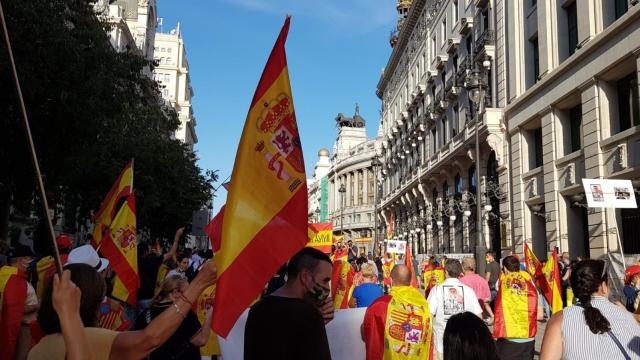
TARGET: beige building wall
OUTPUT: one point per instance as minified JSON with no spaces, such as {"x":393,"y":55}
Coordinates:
{"x":573,"y":116}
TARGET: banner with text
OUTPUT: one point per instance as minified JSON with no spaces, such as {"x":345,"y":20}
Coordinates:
{"x":321,"y":236}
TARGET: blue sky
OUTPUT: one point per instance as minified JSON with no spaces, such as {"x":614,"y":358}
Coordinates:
{"x":336,"y":50}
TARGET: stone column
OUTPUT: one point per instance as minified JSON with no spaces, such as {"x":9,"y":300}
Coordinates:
{"x":551,"y":195}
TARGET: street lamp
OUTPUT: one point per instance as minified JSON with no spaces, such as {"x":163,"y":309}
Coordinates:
{"x":317,"y":215}
{"x":376,"y":164}
{"x":342,"y":190}
{"x":476,"y":89}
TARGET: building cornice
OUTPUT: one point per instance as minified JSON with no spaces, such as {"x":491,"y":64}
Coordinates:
{"x":405,"y":33}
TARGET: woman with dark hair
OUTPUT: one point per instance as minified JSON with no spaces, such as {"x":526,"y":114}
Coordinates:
{"x":594,"y":328}
{"x":467,"y":337}
{"x":106,"y":344}
{"x":190,"y":335}
{"x":181,"y":269}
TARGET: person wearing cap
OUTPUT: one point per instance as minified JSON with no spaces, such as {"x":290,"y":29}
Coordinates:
{"x":632,"y":286}
{"x":18,"y":301}
{"x":46,"y":266}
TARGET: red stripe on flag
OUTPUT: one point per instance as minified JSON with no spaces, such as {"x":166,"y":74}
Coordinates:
{"x":214,"y":230}
{"x":258,"y":262}
{"x":276,"y":63}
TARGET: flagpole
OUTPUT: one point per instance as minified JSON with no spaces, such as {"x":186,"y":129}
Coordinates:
{"x":34,"y":158}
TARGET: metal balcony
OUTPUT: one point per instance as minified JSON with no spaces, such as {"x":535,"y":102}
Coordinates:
{"x":488,"y":37}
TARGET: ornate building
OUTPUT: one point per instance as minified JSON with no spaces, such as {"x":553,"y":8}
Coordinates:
{"x":172,"y":74}
{"x":573,"y":113}
{"x":343,"y":189}
{"x":430,"y":127}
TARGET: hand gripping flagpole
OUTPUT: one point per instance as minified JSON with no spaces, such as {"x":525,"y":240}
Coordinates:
{"x":34,"y":159}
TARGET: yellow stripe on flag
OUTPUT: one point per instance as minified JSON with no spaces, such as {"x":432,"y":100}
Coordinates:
{"x":108,"y":208}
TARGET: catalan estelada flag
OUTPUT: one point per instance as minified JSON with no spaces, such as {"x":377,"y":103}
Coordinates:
{"x":110,"y":205}
{"x":265,"y":218}
{"x":121,"y":248}
{"x":516,"y":307}
{"x":553,"y":293}
{"x":321,"y":236}
{"x":342,"y":280}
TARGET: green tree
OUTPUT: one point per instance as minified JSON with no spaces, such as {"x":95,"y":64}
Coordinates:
{"x":91,"y":110}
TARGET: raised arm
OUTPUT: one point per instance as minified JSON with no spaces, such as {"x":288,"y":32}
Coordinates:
{"x":139,"y":344}
{"x":66,"y":302}
{"x":174,"y":246}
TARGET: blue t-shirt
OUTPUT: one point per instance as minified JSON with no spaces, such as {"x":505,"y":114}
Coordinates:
{"x":366,"y":294}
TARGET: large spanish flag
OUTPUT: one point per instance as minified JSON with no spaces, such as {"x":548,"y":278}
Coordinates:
{"x":265,"y":218}
{"x":516,"y":307}
{"x":109,"y":207}
{"x":552,"y":293}
{"x":321,"y":236}
{"x":342,"y":283}
{"x":121,"y":248}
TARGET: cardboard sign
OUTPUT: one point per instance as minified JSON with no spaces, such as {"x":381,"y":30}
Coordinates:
{"x":396,"y":246}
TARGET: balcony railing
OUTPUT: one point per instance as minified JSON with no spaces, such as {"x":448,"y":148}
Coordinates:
{"x":488,"y":37}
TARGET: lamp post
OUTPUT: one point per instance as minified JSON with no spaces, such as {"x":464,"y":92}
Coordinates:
{"x":317,"y":215}
{"x":342,"y":190}
{"x":375,"y":164}
{"x":476,"y":89}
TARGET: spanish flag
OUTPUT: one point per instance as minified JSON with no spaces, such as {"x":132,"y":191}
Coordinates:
{"x":516,"y":307}
{"x":409,"y":263}
{"x":342,"y":280}
{"x":387,"y":265}
{"x":121,"y":248}
{"x":109,"y":207}
{"x":214,"y":230}
{"x":433,"y":276}
{"x":321,"y":236}
{"x":551,"y":273}
{"x":390,"y":227}
{"x":205,"y":300}
{"x":265,"y":218}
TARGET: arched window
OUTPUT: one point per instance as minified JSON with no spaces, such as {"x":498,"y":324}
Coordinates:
{"x":473,"y":180}
{"x":458,"y":185}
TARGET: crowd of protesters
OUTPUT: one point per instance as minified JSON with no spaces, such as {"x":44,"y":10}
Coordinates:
{"x":453,"y":312}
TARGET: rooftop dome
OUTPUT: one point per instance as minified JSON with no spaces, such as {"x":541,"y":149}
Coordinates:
{"x":323,"y":152}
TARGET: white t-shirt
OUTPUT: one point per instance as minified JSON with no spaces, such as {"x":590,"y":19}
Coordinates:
{"x":447,"y":299}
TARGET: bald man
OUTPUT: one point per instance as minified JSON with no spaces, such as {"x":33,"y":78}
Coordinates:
{"x":398,"y":325}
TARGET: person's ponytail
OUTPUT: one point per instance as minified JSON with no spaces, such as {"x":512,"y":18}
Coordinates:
{"x":585,"y":280}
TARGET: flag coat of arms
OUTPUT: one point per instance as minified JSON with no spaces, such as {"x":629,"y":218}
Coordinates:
{"x":265,"y":218}
{"x":516,"y":308}
{"x":121,"y":248}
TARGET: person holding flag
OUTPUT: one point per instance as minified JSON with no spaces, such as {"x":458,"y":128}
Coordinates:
{"x":398,"y":326}
{"x":516,"y":311}
{"x":342,"y":283}
{"x":433,"y":275}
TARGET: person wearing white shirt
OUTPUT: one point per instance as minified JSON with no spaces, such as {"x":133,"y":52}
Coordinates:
{"x":450,"y":298}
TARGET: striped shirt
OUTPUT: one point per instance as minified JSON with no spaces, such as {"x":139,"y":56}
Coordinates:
{"x":580,"y":343}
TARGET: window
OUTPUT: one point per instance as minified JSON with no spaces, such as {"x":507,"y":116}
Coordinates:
{"x":575,"y":119}
{"x":163,"y":49}
{"x":572,"y":27}
{"x":360,"y":182}
{"x":458,"y":184}
{"x":468,"y":44}
{"x":165,"y":92}
{"x":434,"y":146}
{"x":456,"y":14}
{"x":444,"y":130}
{"x":169,"y":50}
{"x":351,"y":192}
{"x":537,"y":147}
{"x":167,"y":77}
{"x":370,"y":187}
{"x":628,"y":102}
{"x":534,"y":3}
{"x":485,"y":18}
{"x":454,"y":121}
{"x":621,"y":8}
{"x":169,"y":61}
{"x":433,"y":47}
{"x":444,"y":29}
{"x":536,"y":59}
{"x":455,"y":63}
{"x":471,"y":175}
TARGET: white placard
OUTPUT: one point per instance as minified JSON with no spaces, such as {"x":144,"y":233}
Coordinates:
{"x":396,"y":246}
{"x":343,"y":333}
{"x":609,"y":193}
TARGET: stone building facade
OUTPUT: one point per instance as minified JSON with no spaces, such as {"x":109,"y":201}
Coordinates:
{"x":428,"y":128}
{"x":573,"y":113}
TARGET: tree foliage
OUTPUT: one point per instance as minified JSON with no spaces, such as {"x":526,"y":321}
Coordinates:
{"x":91,"y":110}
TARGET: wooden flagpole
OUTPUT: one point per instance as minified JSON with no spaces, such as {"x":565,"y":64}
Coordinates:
{"x":34,"y":159}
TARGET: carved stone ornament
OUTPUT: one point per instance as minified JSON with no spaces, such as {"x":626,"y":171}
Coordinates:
{"x":497,"y":144}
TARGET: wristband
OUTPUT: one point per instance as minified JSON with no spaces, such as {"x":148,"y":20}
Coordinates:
{"x":178,"y":311}
{"x":184,"y":298}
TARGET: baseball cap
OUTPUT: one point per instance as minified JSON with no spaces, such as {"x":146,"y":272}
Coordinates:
{"x":86,"y":254}
{"x":630,"y":273}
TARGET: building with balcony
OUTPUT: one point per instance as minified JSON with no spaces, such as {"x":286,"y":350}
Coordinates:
{"x":317,"y":188}
{"x":572,"y":113}
{"x":349,"y":182}
{"x":172,"y":75}
{"x":430,"y":127}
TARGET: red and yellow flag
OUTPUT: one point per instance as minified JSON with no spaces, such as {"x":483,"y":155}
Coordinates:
{"x":109,"y":207}
{"x":516,"y":307}
{"x":342,"y":281}
{"x":112,"y":315}
{"x":433,"y":276}
{"x":121,"y":248}
{"x":553,"y":292}
{"x":321,"y":236}
{"x":214,"y":230}
{"x":163,"y":270}
{"x":534,"y":266}
{"x":205,"y":300}
{"x":265,"y":218}
{"x":409,"y":263}
{"x":45,"y":268}
{"x":387,"y":266}
{"x":408,"y":328}
{"x":13,"y":294}
{"x":390,"y":227}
